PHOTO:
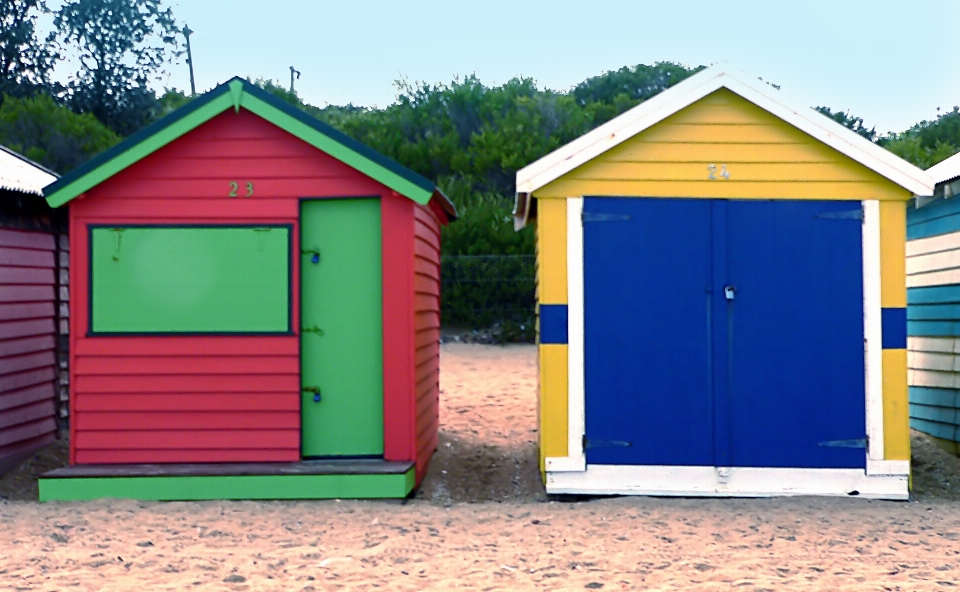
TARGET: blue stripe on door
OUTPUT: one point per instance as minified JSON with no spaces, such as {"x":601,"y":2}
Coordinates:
{"x":894,"y":327}
{"x":553,"y":323}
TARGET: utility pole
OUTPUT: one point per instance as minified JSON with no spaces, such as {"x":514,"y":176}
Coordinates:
{"x":186,"y":33}
{"x":292,"y":72}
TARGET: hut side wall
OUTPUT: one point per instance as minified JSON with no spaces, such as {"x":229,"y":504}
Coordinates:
{"x":28,"y":342}
{"x":164,"y":399}
{"x":933,"y":320}
{"x":426,"y":311}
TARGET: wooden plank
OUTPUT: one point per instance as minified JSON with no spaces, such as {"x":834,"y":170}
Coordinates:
{"x":268,"y":487}
{"x":26,"y":239}
{"x":428,"y":319}
{"x":192,"y":420}
{"x":11,"y":364}
{"x":934,"y":344}
{"x":26,"y":396}
{"x":932,"y":244}
{"x":311,"y":467}
{"x":425,"y":302}
{"x":27,"y":431}
{"x":26,"y":275}
{"x":226,"y":402}
{"x":240,"y":148}
{"x":933,"y":378}
{"x":26,"y":413}
{"x":739,"y":172}
{"x":933,"y":361}
{"x":188,"y":439}
{"x":88,"y":457}
{"x":187,"y":384}
{"x":428,"y":235}
{"x":116,"y":366}
{"x":424,"y":250}
{"x":933,"y":262}
{"x":12,"y":347}
{"x":15,"y":329}
{"x":947,"y":415}
{"x":14,"y":382}
{"x":427,"y":338}
{"x":212,"y":166}
{"x":143,"y":192}
{"x":426,"y":285}
{"x":34,"y":310}
{"x":190,"y":346}
{"x":194,"y":209}
{"x":427,"y":268}
{"x":935,"y":396}
{"x":26,"y":293}
{"x":25,"y":257}
{"x":837,"y":190}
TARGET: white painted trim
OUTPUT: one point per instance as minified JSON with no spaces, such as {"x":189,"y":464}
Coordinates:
{"x":575,"y":327}
{"x":734,"y":482}
{"x":872,"y":329}
{"x":888,"y":467}
{"x":654,"y":110}
{"x":561,"y":464}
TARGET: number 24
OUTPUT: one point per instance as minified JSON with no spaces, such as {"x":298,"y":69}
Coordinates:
{"x":712,"y":168}
{"x":234,"y":186}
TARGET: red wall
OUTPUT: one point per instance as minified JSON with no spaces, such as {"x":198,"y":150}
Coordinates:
{"x":426,"y":306}
{"x":216,"y":399}
{"x":27,"y":341}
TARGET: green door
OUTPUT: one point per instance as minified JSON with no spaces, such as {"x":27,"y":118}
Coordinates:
{"x":341,"y":353}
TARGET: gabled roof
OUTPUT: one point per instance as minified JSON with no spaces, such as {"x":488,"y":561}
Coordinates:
{"x":656,"y":109}
{"x":237,"y":93}
{"x":945,"y":170}
{"x":19,"y":173}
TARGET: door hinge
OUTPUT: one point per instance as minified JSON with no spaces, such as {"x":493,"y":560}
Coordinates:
{"x":845,"y":215}
{"x":588,"y":443}
{"x":861,"y":443}
{"x":591,"y":217}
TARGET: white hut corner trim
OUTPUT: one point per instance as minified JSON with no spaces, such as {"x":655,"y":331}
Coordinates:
{"x":873,"y":331}
{"x":18,"y":173}
{"x":728,"y":481}
{"x":575,"y":336}
{"x":888,"y":467}
{"x":656,"y":109}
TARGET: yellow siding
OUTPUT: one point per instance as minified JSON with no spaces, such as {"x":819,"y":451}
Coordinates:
{"x":552,"y":251}
{"x":553,"y":401}
{"x":896,"y":422}
{"x":893,"y":244}
{"x":766,"y":158}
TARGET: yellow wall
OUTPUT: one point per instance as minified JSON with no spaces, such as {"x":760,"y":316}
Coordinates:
{"x":764,"y":156}
{"x":893,"y":294}
{"x":552,"y":289}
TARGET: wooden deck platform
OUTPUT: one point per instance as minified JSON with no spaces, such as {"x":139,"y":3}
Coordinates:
{"x":310,"y":479}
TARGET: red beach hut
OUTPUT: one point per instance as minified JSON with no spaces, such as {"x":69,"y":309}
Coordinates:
{"x":255,"y":311}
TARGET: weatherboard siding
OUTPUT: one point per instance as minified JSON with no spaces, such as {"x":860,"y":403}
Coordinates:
{"x":173,"y":399}
{"x":765,"y":157}
{"x":933,"y":319}
{"x":27,"y":341}
{"x":426,"y":316}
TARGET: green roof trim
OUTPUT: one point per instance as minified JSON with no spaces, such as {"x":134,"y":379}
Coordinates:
{"x":238,"y":93}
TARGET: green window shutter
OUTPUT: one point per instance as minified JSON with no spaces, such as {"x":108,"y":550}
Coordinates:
{"x":190,"y":279}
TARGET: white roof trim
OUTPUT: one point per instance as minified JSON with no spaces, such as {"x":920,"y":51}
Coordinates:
{"x":656,"y":109}
{"x":18,"y":173}
{"x":945,"y":170}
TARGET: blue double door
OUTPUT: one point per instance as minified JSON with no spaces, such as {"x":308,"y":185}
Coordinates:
{"x":723,"y":333}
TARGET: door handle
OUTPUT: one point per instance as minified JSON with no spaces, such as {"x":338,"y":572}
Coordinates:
{"x":316,"y":392}
{"x":313,"y":329}
{"x":729,"y":292}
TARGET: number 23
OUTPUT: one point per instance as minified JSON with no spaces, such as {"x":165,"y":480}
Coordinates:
{"x":234,"y":186}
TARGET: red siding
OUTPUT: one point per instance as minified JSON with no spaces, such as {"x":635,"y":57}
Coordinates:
{"x":27,"y":341}
{"x":203,"y":399}
{"x":426,"y":315}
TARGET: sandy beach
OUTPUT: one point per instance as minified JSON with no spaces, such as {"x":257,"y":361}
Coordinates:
{"x":481,"y":521}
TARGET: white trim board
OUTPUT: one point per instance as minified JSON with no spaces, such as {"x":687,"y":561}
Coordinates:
{"x":727,"y":482}
{"x":872,"y":330}
{"x":656,"y":109}
{"x":576,"y":387}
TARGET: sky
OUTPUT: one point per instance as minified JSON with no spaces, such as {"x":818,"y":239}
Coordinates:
{"x":887,"y":61}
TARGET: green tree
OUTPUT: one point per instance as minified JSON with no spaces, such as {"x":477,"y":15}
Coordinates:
{"x":52,"y":134}
{"x":850,"y":122}
{"x":122,"y":46}
{"x":616,"y":91}
{"x":25,"y":59}
{"x":928,"y":142}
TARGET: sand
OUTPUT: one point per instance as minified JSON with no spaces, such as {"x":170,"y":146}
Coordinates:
{"x":510,"y":538}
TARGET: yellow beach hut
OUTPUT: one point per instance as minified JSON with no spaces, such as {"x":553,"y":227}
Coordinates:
{"x":722,"y":300}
